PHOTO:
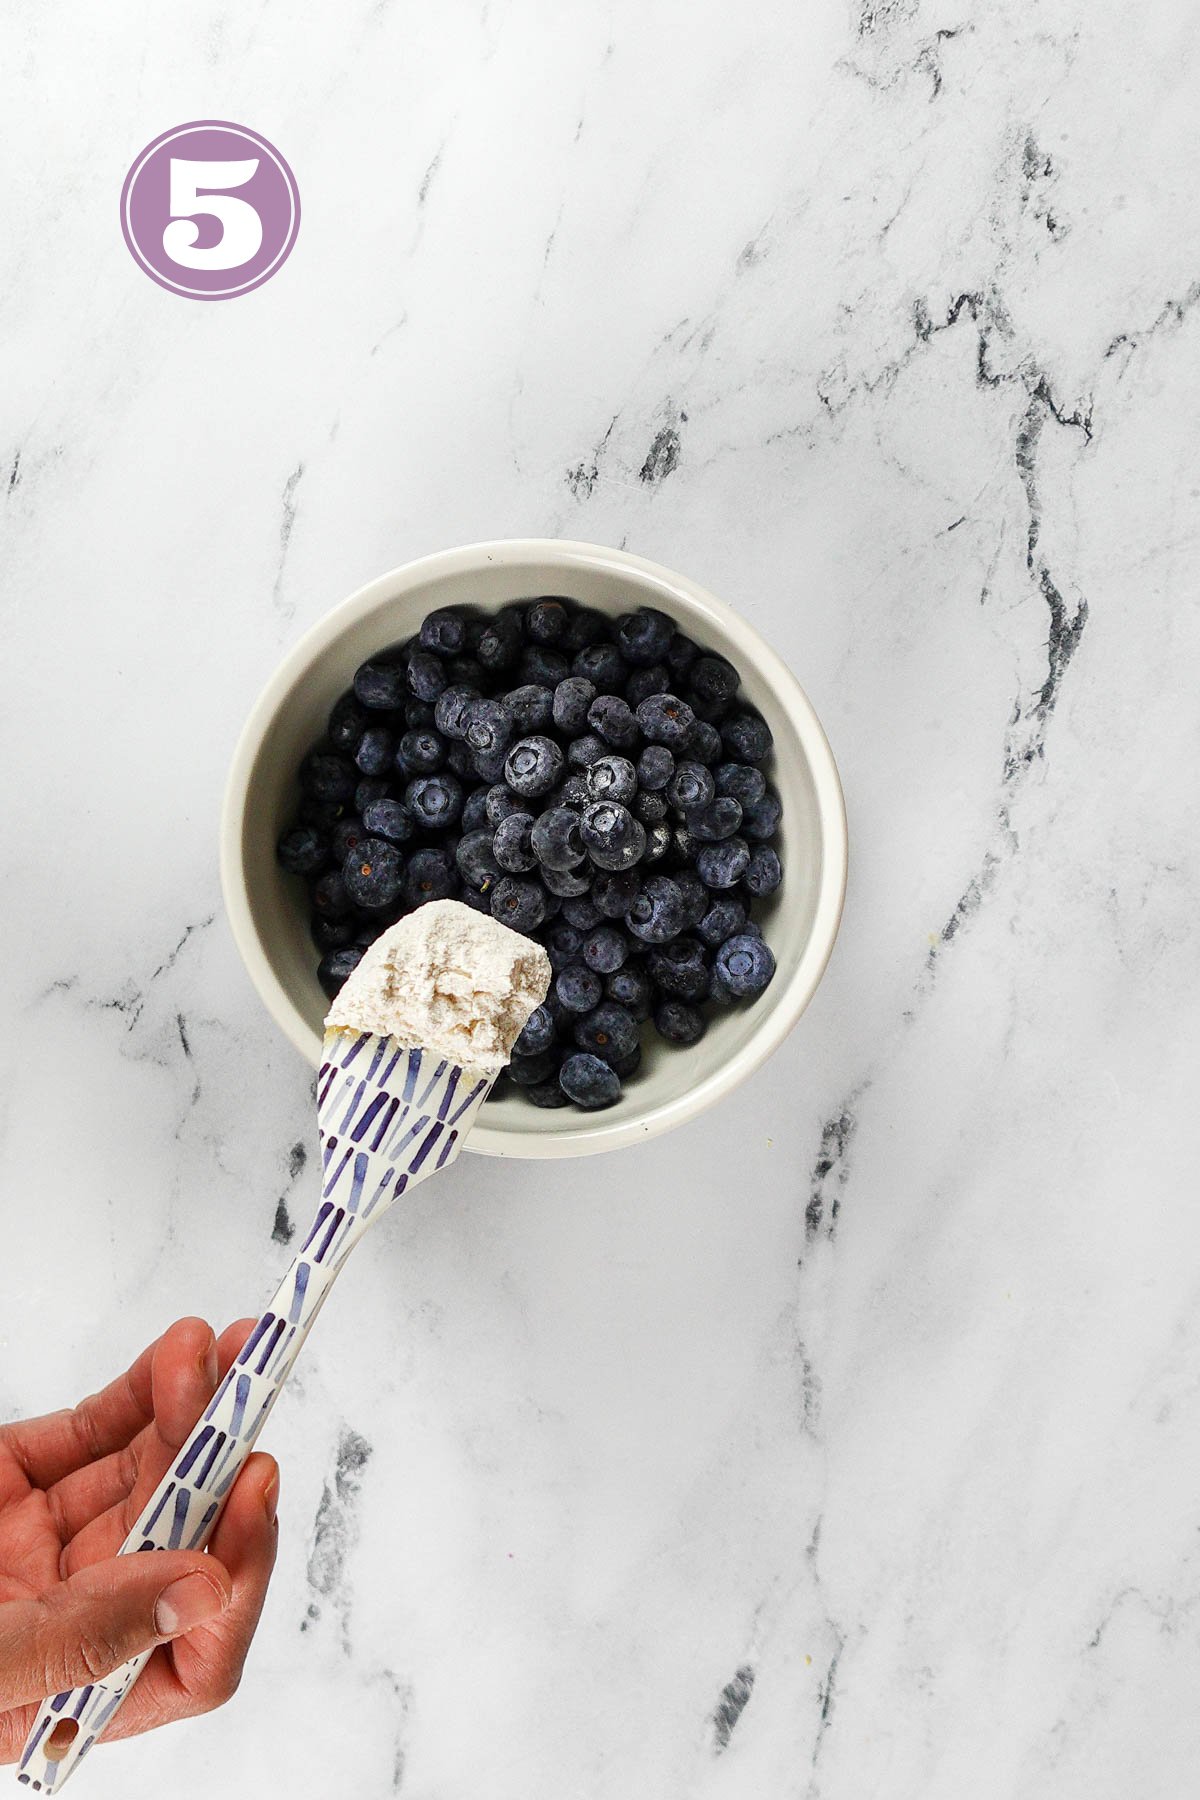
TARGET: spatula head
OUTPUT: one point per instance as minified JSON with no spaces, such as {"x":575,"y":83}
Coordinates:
{"x":387,"y":1118}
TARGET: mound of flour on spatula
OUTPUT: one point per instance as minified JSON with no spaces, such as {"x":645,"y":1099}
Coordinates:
{"x":447,"y":979}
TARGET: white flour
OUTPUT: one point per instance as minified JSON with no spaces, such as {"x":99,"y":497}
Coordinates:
{"x":446,"y":979}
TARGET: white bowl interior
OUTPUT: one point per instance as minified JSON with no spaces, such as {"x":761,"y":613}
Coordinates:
{"x":267,"y":908}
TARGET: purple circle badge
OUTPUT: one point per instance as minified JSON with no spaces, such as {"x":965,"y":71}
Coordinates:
{"x":210,"y":210}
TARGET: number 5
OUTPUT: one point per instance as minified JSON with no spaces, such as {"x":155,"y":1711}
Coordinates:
{"x":241,"y":227}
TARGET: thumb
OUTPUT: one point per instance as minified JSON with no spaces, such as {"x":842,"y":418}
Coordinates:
{"x":105,"y":1614}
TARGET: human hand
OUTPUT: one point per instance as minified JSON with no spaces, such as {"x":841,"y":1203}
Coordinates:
{"x":71,"y":1609}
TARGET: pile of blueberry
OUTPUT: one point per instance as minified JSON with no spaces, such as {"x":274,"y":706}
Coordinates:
{"x":595,"y":783}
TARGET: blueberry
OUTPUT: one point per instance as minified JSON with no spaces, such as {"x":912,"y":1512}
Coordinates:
{"x":570,"y":703}
{"x":322,"y":815}
{"x":745,"y":964}
{"x":328,"y":777}
{"x":476,"y":861}
{"x":691,"y":786}
{"x":371,"y":787}
{"x":331,"y":896}
{"x":519,"y":903}
{"x":644,"y":682}
{"x":724,"y":919}
{"x":537,"y":1033}
{"x":461,"y":762}
{"x":534,"y":766}
{"x":430,"y":875}
{"x":589,"y":1082}
{"x":347,"y":834}
{"x":681,"y":653}
{"x":465,"y":671}
{"x":546,"y":621}
{"x":578,"y":988}
{"x":612,"y":778}
{"x":427,"y":675}
{"x":544,"y":666}
{"x":490,"y":726}
{"x":645,"y":636}
{"x":613,"y":837}
{"x":603,"y":665}
{"x":610,"y":718}
{"x":615,"y":893}
{"x":605,"y":949}
{"x":499,"y":642}
{"x":582,"y":913}
{"x":696,"y":897}
{"x":375,"y":749}
{"x":608,"y":1032}
{"x":656,"y":915}
{"x":583,"y":751}
{"x":746,"y":784}
{"x":626,"y":1066}
{"x":563,"y":944}
{"x":347,"y":722}
{"x":723,"y":865}
{"x":557,"y":839}
{"x":650,"y":808}
{"x":444,"y":631}
{"x":574,"y":791}
{"x":631,"y":987}
{"x":331,"y":934}
{"x":655,"y":767}
{"x":418,"y":715}
{"x":665,"y":719}
{"x":679,"y":1023}
{"x":760,"y":820}
{"x":586,"y":626}
{"x":435,"y":801}
{"x":374,"y":873}
{"x":763,"y":872}
{"x":380,"y":685}
{"x":501,"y":803}
{"x":533,"y":1071}
{"x":486,"y":765}
{"x":705,"y":743}
{"x":719,"y":819}
{"x":679,"y":969}
{"x":334,"y":970}
{"x":746,"y":737}
{"x":481,"y":903}
{"x":658,"y":842}
{"x":450,"y":711}
{"x":547,"y":1093}
{"x":474,"y":812}
{"x":302,"y":850}
{"x":420,"y":752}
{"x":512,"y":844}
{"x":713,"y":680}
{"x":566,"y":884}
{"x":531,"y":707}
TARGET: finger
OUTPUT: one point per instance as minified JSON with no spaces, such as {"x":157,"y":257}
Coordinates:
{"x":202,"y":1669}
{"x":85,"y":1628}
{"x":183,"y":1374}
{"x":87,"y":1493}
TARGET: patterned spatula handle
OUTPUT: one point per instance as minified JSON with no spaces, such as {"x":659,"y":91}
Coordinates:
{"x":388,"y":1118}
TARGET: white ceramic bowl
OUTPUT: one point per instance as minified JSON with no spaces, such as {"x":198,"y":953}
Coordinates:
{"x":800,"y":922}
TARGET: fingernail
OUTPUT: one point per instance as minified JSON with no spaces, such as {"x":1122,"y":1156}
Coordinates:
{"x":186,"y":1603}
{"x":271,"y":1496}
{"x":208,"y":1363}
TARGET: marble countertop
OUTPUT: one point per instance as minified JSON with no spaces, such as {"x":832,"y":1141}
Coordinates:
{"x":844,"y":1443}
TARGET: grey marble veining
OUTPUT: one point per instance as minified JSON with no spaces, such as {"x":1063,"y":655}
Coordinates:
{"x":844,"y":1443}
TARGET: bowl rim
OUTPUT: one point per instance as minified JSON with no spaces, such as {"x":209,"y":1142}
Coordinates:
{"x":602,"y":1132}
